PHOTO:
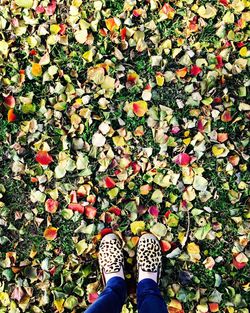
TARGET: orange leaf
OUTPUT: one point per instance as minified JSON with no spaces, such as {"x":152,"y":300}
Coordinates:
{"x":145,"y":189}
{"x":43,"y":158}
{"x":50,"y":233}
{"x":90,"y":211}
{"x":111,"y":24}
{"x":140,"y":108}
{"x":221,"y":137}
{"x":213,"y":307}
{"x":234,"y":159}
{"x":36,"y":69}
{"x":135,"y":240}
{"x":175,"y":306}
{"x":11,"y":115}
{"x":181,"y":72}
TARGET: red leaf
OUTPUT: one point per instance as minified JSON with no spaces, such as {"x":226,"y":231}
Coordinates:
{"x":62,"y":29}
{"x":217,"y":100}
{"x":73,"y":196}
{"x":219,"y":61}
{"x":226,"y":116}
{"x":52,"y":271}
{"x":43,"y":158}
{"x":33,"y":52}
{"x":106,"y":231}
{"x":167,"y":213}
{"x":137,"y":12}
{"x":90,"y":211}
{"x":224,"y":2}
{"x":136,"y":167}
{"x":92,"y":297}
{"x":195,"y":70}
{"x":115,"y":210}
{"x":175,"y":129}
{"x":50,"y":10}
{"x":240,"y":44}
{"x":239,"y":265}
{"x":153,"y":210}
{"x":182,"y":159}
{"x":40,"y":9}
{"x":123,"y":33}
{"x":200,"y":126}
{"x":9,"y":102}
{"x":110,"y":183}
{"x":76,"y":207}
{"x":51,"y":205}
{"x":165,"y":245}
{"x":103,"y":32}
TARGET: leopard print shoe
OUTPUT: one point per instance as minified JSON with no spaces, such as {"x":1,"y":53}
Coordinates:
{"x":149,"y":255}
{"x":111,"y":258}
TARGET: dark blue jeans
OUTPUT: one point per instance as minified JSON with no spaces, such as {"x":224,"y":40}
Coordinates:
{"x":111,"y":300}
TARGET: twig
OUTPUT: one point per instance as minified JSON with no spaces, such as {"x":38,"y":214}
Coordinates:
{"x":188,"y":229}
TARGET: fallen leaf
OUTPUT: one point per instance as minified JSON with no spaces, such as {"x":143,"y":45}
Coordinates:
{"x":50,"y":233}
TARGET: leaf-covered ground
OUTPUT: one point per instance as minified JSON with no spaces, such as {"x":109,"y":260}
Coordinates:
{"x":131,"y":116}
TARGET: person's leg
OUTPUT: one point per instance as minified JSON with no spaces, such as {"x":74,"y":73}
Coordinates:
{"x":149,"y":298}
{"x":111,"y":262}
{"x":111,"y":299}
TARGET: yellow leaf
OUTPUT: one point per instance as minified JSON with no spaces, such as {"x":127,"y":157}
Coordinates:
{"x":137,"y":226}
{"x":194,"y":252}
{"x":238,"y":6}
{"x":207,"y":11}
{"x":77,"y":3}
{"x":187,"y":141}
{"x":36,"y":69}
{"x":243,"y":52}
{"x":118,"y":141}
{"x":88,"y":56}
{"x":217,"y":151}
{"x":159,"y":80}
{"x":59,"y":304}
{"x":55,"y":28}
{"x":228,"y":18}
{"x":24,"y":3}
{"x":4,"y":298}
{"x":4,"y":47}
{"x":140,"y":107}
{"x":108,"y":83}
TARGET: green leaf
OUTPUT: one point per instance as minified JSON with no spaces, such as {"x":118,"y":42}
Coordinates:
{"x":157,"y":196}
{"x":71,"y":302}
{"x":202,"y":232}
{"x":159,"y":230}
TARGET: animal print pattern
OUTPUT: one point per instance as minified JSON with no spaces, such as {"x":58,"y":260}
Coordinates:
{"x":111,"y":256}
{"x":149,"y":255}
